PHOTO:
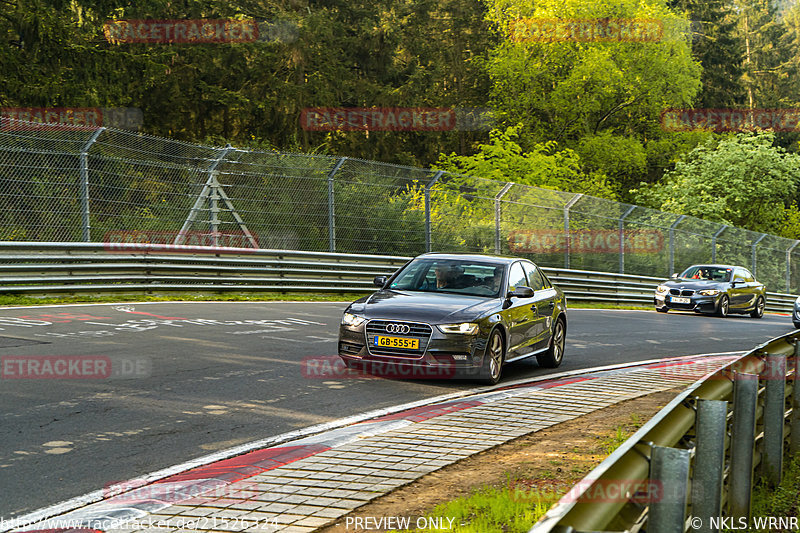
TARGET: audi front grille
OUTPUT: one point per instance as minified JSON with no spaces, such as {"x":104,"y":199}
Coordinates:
{"x":396,"y":328}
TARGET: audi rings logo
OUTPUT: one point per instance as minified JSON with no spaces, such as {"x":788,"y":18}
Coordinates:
{"x":398,"y":328}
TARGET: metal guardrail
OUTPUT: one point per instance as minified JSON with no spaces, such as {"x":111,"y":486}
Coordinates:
{"x":681,"y":471}
{"x":36,"y":268}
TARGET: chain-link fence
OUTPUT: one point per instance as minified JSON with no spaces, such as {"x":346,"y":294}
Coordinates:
{"x":65,"y":183}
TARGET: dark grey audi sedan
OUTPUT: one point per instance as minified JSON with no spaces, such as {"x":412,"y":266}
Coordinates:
{"x":446,"y":315}
{"x":718,"y":289}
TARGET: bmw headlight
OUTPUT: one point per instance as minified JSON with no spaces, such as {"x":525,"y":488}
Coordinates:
{"x":708,"y":292}
{"x":662,"y":289}
{"x":349,"y":319}
{"x":465,"y":328}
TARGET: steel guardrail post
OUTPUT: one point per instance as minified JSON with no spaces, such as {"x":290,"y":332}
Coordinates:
{"x":567,"y":237}
{"x":754,"y":259}
{"x":669,"y":479}
{"x":794,"y":436}
{"x":84,"y":170}
{"x":714,"y":242}
{"x":672,"y":227}
{"x":622,"y":238}
{"x":428,"y":209}
{"x":497,"y":199}
{"x":789,"y":266}
{"x":332,"y":206}
{"x":774,"y":374}
{"x":745,"y":397}
{"x":707,"y":476}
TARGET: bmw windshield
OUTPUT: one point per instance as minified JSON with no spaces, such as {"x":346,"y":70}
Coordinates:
{"x":707,"y":273}
{"x":451,"y":276}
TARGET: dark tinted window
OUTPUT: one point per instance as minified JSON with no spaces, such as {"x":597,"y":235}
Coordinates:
{"x":450,"y":275}
{"x":535,"y":278}
{"x":516,"y":277}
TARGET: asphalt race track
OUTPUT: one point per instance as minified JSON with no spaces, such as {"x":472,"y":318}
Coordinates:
{"x":169,"y":382}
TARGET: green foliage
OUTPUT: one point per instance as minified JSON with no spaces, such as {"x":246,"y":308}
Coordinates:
{"x":743,"y":181}
{"x":503,"y":159}
{"x":566,"y":90}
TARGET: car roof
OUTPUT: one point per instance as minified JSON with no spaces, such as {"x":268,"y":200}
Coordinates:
{"x":472,"y":257}
{"x":714,"y":265}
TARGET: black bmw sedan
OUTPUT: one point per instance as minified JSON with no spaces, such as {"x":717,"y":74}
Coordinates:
{"x":457,"y":315}
{"x":717,"y":289}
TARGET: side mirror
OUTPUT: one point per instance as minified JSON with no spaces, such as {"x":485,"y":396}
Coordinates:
{"x":379,"y":281}
{"x":674,"y":275}
{"x":521,"y":292}
{"x":736,"y":282}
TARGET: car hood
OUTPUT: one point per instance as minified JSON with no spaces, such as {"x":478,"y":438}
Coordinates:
{"x":696,"y":284}
{"x":430,"y":307}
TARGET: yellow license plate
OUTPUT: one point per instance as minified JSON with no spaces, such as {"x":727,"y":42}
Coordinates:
{"x":397,"y":342}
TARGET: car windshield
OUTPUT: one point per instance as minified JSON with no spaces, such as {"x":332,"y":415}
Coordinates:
{"x":451,"y":276}
{"x":708,"y":273}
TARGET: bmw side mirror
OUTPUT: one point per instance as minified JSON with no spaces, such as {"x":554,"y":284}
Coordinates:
{"x":379,"y":281}
{"x":521,"y":292}
{"x":674,"y":275}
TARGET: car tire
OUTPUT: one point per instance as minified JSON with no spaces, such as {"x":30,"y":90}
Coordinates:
{"x":797,"y":325}
{"x":555,"y":353}
{"x":662,"y":309}
{"x":493,"y":360}
{"x":758,"y":310}
{"x":724,"y":306}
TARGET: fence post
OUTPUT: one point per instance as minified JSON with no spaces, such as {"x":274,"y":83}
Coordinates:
{"x":789,"y":266}
{"x":774,"y":407}
{"x":753,"y":258}
{"x":669,"y":472}
{"x":794,"y":436}
{"x":84,"y":185}
{"x":672,"y":244}
{"x":332,"y":206}
{"x":428,"y":209}
{"x":714,"y":243}
{"x":497,"y":199}
{"x":745,"y":396}
{"x":567,"y":239}
{"x":710,"y":428}
{"x":622,"y":238}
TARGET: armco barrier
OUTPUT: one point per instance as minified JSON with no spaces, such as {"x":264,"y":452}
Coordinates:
{"x":694,"y":473}
{"x":36,"y":268}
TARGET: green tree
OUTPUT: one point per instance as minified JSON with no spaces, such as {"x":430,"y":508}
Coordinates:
{"x":719,"y":48}
{"x":563,"y":91}
{"x":742,"y":180}
{"x":503,"y":159}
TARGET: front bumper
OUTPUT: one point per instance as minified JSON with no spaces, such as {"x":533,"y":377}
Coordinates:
{"x":703,"y":304}
{"x":444,"y":355}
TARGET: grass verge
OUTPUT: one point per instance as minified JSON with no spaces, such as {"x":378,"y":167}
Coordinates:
{"x":780,"y":502}
{"x":526,"y":496}
{"x":20,"y":300}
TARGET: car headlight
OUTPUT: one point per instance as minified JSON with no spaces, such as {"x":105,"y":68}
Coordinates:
{"x":797,"y":301}
{"x":708,"y":292}
{"x":349,"y":319}
{"x":465,"y":328}
{"x":661,"y":289}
